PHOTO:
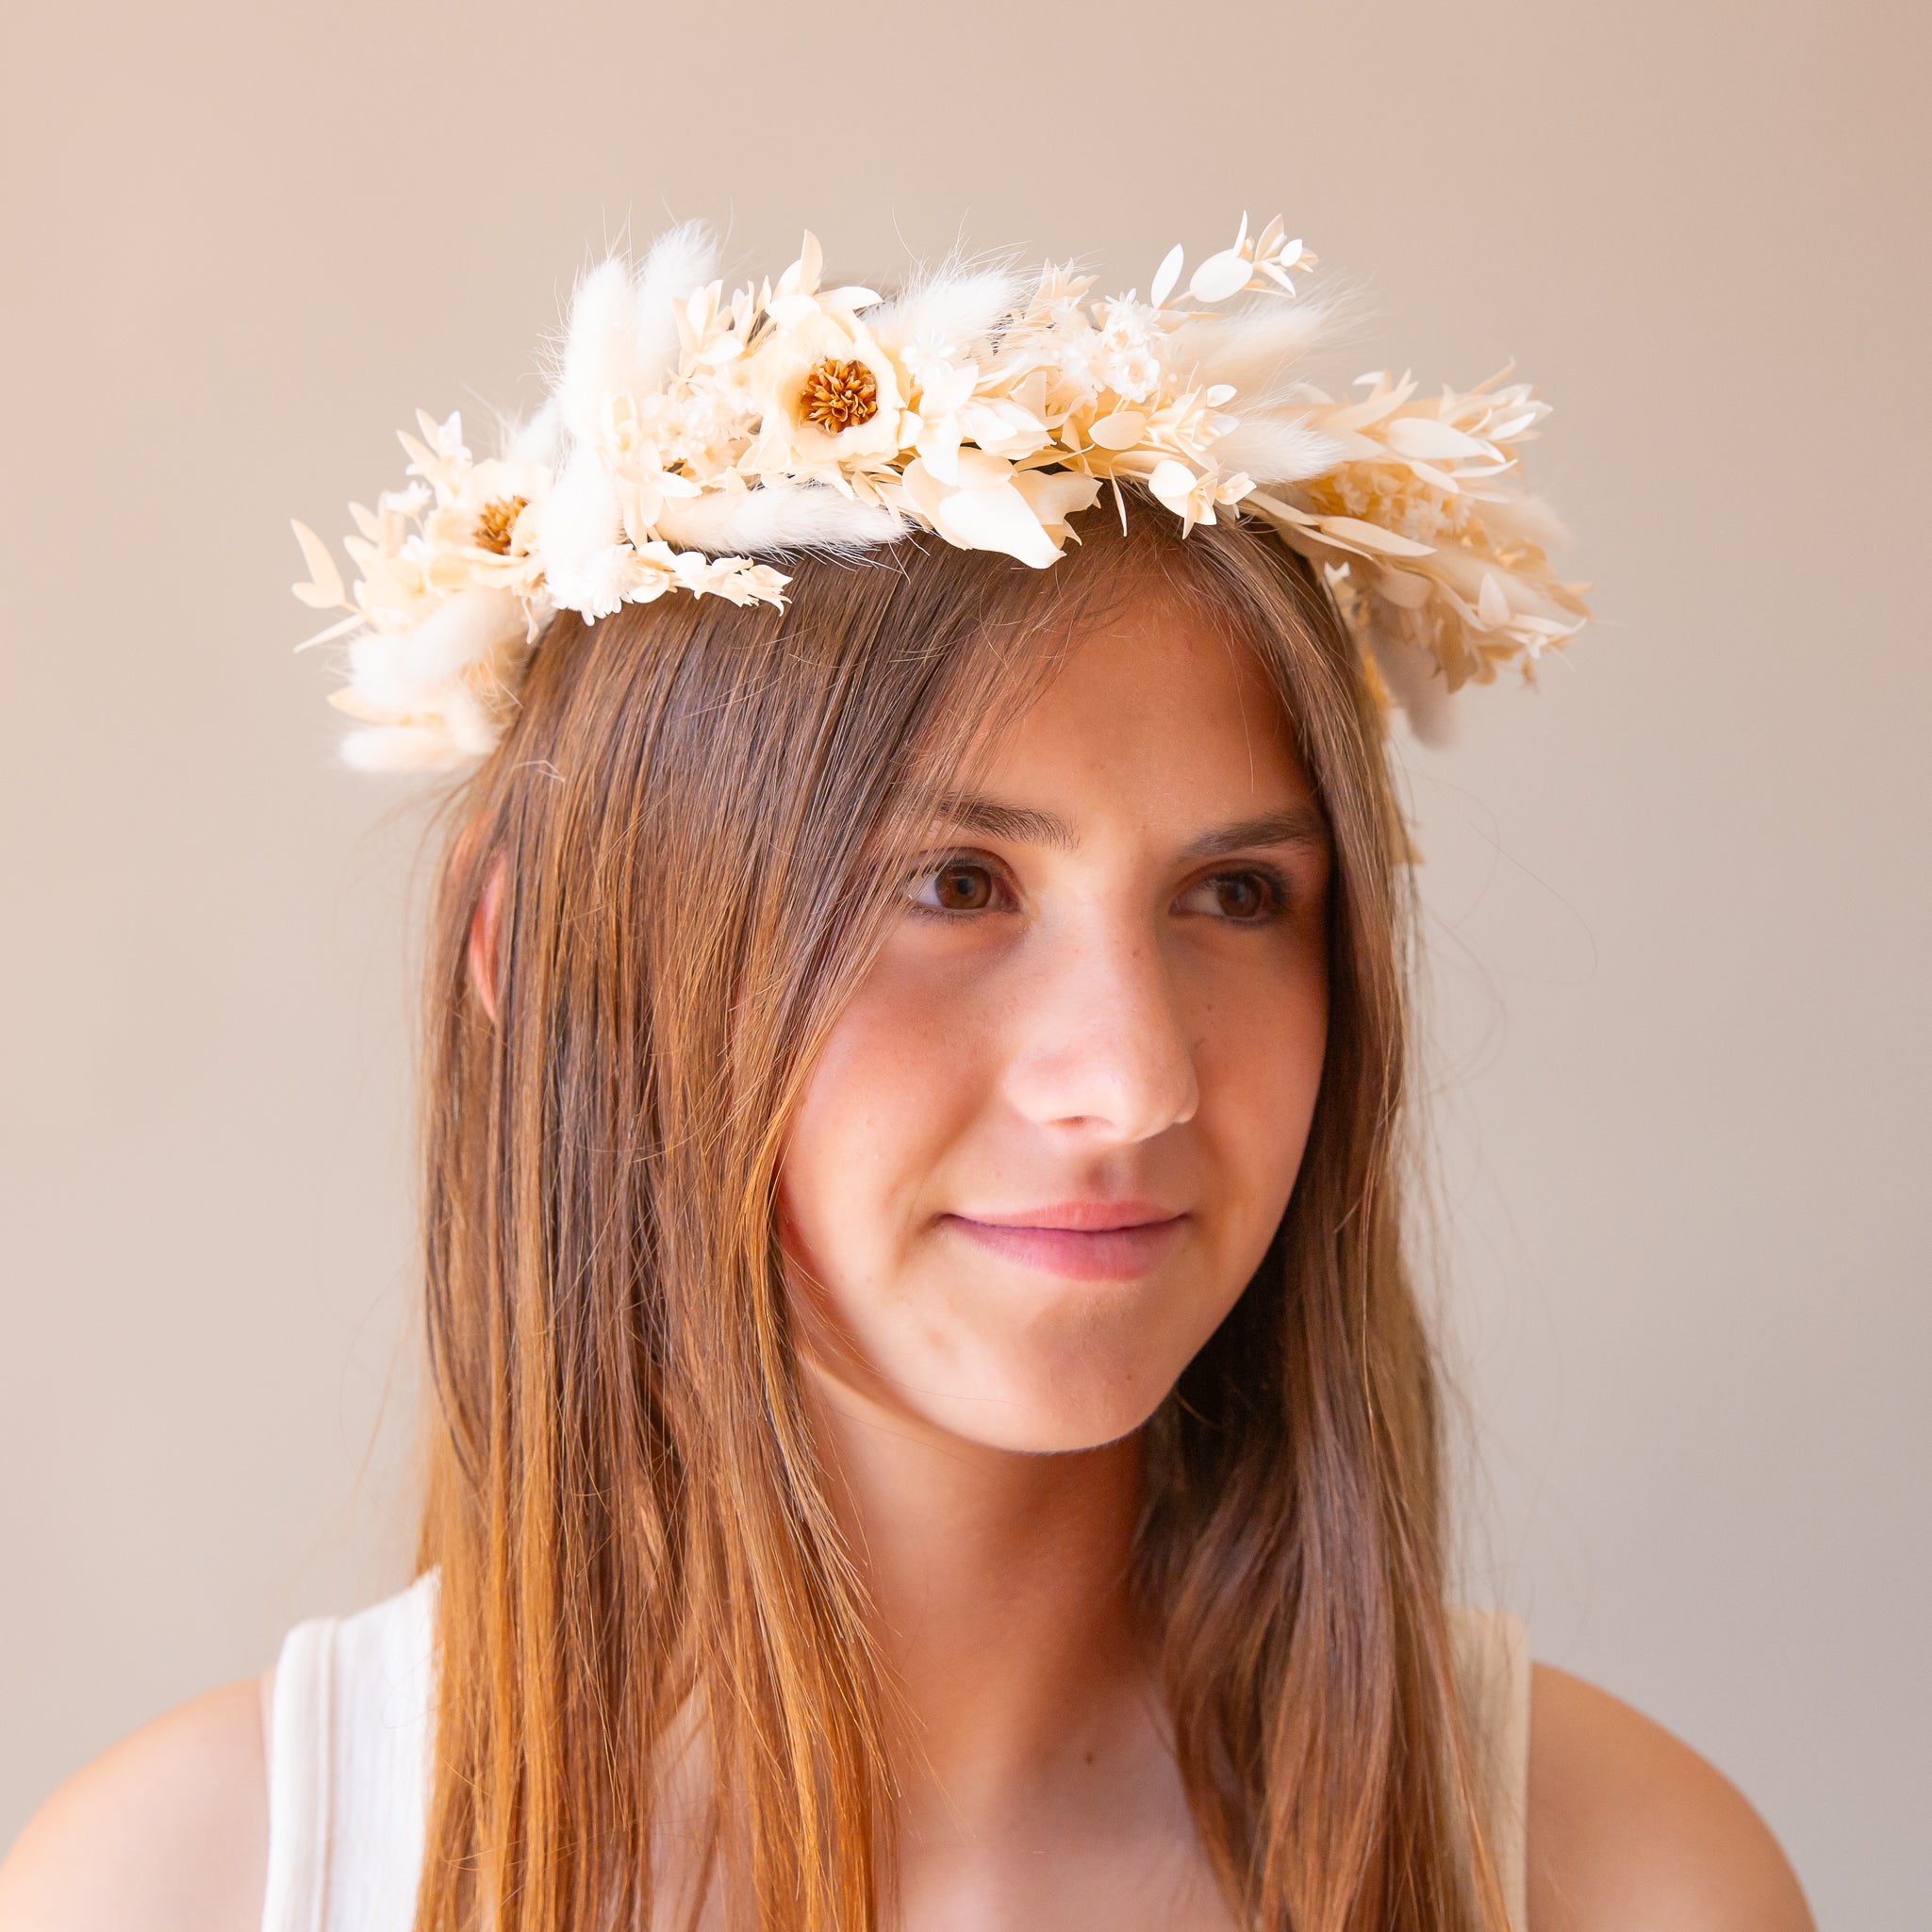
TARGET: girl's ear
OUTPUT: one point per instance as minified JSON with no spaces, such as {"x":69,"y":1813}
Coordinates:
{"x":484,"y":928}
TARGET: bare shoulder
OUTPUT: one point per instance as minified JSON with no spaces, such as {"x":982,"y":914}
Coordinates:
{"x":1629,"y":1828}
{"x":166,"y":1832}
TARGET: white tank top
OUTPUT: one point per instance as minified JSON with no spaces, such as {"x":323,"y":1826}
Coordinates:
{"x":349,"y":1761}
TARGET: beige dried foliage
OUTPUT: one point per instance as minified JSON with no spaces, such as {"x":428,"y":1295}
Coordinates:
{"x":691,"y":433}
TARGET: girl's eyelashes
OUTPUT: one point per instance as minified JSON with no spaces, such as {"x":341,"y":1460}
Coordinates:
{"x":1243,"y":895}
{"x":956,"y":884}
{"x":960,"y":884}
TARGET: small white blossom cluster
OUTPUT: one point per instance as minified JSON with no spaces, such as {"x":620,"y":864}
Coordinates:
{"x":688,"y":432}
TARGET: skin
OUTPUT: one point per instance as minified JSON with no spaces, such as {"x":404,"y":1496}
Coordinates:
{"x":1104,"y":1001}
{"x":1121,"y":1017}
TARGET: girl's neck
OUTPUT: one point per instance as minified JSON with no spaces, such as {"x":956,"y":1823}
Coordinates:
{"x":1002,"y":1596}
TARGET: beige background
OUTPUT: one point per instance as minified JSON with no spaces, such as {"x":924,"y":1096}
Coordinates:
{"x":1679,"y":900}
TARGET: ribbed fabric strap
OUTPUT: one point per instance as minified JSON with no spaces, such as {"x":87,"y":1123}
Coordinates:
{"x":348,"y":1769}
{"x":349,"y":1759}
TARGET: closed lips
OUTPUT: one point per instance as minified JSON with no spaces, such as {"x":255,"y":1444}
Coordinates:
{"x":1081,"y":1241}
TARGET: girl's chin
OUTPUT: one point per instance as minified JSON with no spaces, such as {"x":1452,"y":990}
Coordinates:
{"x":1035,"y":1410}
{"x":1067,"y":1413}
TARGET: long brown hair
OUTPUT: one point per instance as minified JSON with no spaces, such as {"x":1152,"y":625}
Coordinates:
{"x":694,"y":818}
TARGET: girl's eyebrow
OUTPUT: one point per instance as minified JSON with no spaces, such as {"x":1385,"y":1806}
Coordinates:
{"x":1019,"y":823}
{"x":1300,"y":823}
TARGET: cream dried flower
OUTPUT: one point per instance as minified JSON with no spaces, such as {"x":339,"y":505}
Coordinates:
{"x":691,"y":431}
{"x":450,"y":599}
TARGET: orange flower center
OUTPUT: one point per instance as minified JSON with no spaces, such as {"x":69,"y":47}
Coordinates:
{"x":495,"y":522}
{"x":839,"y":395}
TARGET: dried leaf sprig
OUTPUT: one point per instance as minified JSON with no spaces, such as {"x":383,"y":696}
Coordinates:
{"x":689,"y":433}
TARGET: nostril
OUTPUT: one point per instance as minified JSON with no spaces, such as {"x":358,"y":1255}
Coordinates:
{"x":1130,"y":1082}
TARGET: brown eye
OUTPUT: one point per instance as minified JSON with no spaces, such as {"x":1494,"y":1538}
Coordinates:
{"x":1244,"y":899}
{"x":1240,"y":896}
{"x":959,"y":886}
{"x":963,"y":888}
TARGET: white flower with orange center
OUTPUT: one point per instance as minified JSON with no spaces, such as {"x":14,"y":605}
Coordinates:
{"x":828,"y":393}
{"x":690,"y":432}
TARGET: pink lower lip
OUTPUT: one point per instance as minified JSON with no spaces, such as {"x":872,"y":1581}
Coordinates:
{"x":1078,"y":1254}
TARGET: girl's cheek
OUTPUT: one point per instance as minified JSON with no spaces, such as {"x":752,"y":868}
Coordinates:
{"x":896,"y":1085}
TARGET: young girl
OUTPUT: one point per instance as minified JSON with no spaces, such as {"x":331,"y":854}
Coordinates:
{"x":931,"y":1428}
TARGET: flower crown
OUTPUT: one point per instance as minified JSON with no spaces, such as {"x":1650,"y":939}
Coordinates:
{"x":688,"y":432}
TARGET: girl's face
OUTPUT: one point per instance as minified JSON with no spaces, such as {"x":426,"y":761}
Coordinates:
{"x":1050,"y":1140}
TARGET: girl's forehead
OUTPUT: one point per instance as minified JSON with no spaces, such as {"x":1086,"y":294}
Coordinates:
{"x":1166,"y":736}
{"x":1163,"y":680}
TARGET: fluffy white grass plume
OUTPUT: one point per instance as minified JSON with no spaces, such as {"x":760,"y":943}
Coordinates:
{"x":809,"y":516}
{"x":690,"y":433}
{"x":953,"y":306}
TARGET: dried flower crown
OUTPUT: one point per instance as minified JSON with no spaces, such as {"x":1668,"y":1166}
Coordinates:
{"x":688,"y":433}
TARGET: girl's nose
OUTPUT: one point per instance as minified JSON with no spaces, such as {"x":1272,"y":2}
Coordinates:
{"x":1102,"y":1045}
